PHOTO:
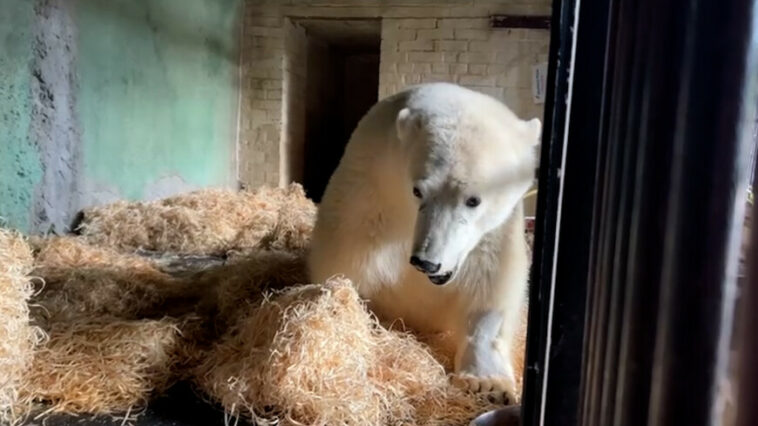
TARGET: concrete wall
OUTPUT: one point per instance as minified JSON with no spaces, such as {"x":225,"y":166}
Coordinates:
{"x":118,"y":99}
{"x":20,"y":166}
{"x":441,"y":40}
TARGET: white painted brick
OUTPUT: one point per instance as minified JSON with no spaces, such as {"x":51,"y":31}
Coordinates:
{"x":458,"y":69}
{"x":388,"y":46}
{"x":412,"y":79}
{"x":463,"y":23}
{"x":264,"y":31}
{"x":268,"y":105}
{"x":425,"y":57}
{"x":422,"y":68}
{"x":475,"y":58}
{"x":266,"y":42}
{"x":399,"y":35}
{"x":257,"y":94}
{"x":391,"y":24}
{"x":438,"y":34}
{"x":392,"y":78}
{"x":506,"y":56}
{"x":255,"y":72}
{"x":446,"y":41}
{"x":434,"y":78}
{"x":451,"y":46}
{"x":450,"y":57}
{"x":271,"y":84}
{"x":416,"y":45}
{"x":389,"y":67}
{"x":483,"y":46}
{"x":418,"y":23}
{"x":404,"y":67}
{"x":477,"y":69}
{"x":466,"y":34}
{"x":477,"y":80}
{"x":440,"y":68}
{"x":496,"y":69}
{"x":274,"y":114}
{"x":519,"y":76}
{"x":496,"y":92}
{"x":394,"y":57}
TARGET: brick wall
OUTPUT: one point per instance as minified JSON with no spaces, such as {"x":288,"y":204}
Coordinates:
{"x":464,"y":51}
{"x":262,"y":84}
{"x":422,"y":40}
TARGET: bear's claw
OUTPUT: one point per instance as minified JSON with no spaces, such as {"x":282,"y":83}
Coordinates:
{"x":498,"y":390}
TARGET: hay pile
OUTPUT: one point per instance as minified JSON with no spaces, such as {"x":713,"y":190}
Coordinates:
{"x":314,"y":355}
{"x":247,"y":329}
{"x":82,"y":281}
{"x":120,"y":331}
{"x":212,"y":221}
{"x":246,"y":279}
{"x":18,"y":337}
{"x":103,"y":367}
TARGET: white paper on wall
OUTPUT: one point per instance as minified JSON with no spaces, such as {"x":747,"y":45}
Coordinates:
{"x":539,"y":82}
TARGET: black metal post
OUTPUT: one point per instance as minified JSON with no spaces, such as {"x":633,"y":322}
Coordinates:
{"x":640,"y":184}
{"x":561,"y":35}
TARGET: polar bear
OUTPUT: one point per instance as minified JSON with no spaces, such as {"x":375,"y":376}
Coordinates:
{"x":424,"y":214}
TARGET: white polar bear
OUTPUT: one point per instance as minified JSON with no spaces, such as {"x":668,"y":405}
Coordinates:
{"x":424,"y":215}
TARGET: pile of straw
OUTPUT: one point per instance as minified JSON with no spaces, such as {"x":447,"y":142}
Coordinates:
{"x":246,"y":279}
{"x":212,"y":221}
{"x":103,"y":367}
{"x":313,"y":355}
{"x":112,"y":342}
{"x":18,"y":338}
{"x":83,"y":281}
{"x":241,"y":323}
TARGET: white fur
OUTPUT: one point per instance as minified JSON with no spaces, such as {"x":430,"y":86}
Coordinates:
{"x":452,"y":144}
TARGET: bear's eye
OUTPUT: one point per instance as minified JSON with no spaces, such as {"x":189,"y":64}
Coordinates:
{"x":473,"y":202}
{"x":416,"y":192}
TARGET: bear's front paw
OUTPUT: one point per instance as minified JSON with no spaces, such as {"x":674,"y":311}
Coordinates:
{"x":498,"y":389}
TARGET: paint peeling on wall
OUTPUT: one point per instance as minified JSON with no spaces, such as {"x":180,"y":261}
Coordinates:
{"x":54,"y":129}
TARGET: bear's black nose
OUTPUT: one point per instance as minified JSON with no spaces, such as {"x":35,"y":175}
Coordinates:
{"x":424,"y":265}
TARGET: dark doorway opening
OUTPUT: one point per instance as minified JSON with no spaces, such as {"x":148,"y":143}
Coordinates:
{"x":342,"y":83}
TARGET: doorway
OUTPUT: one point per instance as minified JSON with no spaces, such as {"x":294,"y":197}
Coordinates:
{"x":342,"y":84}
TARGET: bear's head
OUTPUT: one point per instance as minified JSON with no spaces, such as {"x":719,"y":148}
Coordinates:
{"x":471,"y":160}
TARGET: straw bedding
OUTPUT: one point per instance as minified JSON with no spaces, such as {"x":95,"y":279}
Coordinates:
{"x":209,"y":221}
{"x":314,"y":355}
{"x":247,"y":330}
{"x":103,"y":367}
{"x":103,"y":354}
{"x":85,"y":281}
{"x":18,"y":338}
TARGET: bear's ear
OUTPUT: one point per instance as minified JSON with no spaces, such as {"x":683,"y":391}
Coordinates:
{"x":407,"y":124}
{"x":534,"y":129}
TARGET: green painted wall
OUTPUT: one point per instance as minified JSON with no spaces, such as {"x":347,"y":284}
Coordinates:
{"x":20,"y":167}
{"x":157,"y":94}
{"x":132,"y":99}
